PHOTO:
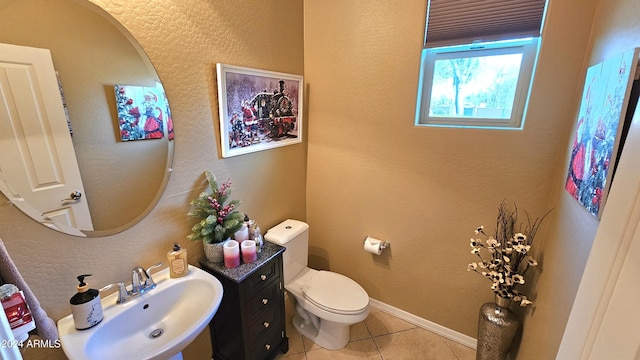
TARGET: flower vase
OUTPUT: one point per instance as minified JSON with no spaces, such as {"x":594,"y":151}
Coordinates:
{"x":497,"y":327}
{"x":213,"y":252}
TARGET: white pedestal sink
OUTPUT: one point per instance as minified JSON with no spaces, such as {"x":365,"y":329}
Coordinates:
{"x":156,"y":325}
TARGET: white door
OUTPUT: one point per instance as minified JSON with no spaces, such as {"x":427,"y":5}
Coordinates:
{"x":605,"y":317}
{"x":38,"y":166}
{"x":619,"y":333}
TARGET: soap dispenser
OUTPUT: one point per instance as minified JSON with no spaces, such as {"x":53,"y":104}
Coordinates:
{"x":178,"y":265}
{"x":85,"y":306}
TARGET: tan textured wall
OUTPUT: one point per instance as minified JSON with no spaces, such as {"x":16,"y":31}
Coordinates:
{"x":184,"y":40}
{"x":372,"y":172}
{"x":615,"y":29}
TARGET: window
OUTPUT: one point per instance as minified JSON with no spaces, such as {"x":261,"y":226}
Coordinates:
{"x":482,"y":85}
{"x":474,"y":72}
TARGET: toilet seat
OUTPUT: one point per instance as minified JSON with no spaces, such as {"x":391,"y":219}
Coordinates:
{"x":336,"y":293}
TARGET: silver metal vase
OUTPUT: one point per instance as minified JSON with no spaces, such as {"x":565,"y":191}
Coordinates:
{"x":497,"y":327}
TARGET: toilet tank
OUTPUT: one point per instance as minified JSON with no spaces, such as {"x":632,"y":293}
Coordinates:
{"x":294,"y":236}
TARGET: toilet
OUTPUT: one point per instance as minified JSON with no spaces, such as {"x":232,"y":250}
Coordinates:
{"x":326,"y":303}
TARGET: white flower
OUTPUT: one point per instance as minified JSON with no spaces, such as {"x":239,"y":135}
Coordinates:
{"x":522,"y":249}
{"x":506,"y":255}
{"x":495,"y":276}
{"x":525,"y":302}
{"x":492,"y":243}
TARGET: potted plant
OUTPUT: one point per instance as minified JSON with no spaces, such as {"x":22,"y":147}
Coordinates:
{"x":219,"y":220}
{"x":505,"y":262}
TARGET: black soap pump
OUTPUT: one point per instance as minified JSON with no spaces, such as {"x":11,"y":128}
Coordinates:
{"x":85,"y":306}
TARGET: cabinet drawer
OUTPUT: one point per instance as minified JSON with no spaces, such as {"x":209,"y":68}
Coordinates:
{"x":264,"y":322}
{"x":261,"y":277}
{"x":269,"y":297}
{"x":266,"y":345}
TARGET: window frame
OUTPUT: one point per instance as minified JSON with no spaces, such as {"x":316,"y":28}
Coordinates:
{"x":528,"y":47}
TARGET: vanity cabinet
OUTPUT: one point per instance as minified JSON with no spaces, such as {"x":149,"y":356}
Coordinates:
{"x":250,"y":322}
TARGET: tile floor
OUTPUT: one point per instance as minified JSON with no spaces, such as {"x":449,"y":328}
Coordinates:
{"x":380,"y":336}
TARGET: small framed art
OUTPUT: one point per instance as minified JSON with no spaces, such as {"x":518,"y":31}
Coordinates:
{"x":143,"y":112}
{"x":259,"y":109}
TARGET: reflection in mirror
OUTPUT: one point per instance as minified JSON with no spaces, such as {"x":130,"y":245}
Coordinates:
{"x":91,"y":54}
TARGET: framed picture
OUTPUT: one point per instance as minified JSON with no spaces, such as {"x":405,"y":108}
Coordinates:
{"x":600,"y":121}
{"x":259,"y":109}
{"x":143,"y":112}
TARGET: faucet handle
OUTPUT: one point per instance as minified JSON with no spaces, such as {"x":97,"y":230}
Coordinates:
{"x":154,"y":266}
{"x":123,"y":293}
{"x":149,"y":280}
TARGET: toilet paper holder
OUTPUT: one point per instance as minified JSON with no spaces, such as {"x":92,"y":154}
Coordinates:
{"x":383,"y":244}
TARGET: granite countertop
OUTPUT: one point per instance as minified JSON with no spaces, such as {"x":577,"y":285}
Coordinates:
{"x":269,"y":251}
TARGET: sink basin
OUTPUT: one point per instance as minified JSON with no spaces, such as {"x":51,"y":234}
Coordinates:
{"x":158,"y":324}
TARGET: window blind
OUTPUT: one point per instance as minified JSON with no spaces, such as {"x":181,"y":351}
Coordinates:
{"x":456,"y":22}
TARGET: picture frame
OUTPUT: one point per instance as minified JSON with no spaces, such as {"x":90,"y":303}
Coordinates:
{"x":258,"y":109}
{"x":143,"y":112}
{"x":599,"y":129}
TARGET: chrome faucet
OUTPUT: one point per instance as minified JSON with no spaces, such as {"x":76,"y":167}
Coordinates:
{"x":123,"y":294}
{"x":141,"y":281}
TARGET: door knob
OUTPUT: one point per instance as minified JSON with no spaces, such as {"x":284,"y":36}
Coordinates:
{"x":74,"y":196}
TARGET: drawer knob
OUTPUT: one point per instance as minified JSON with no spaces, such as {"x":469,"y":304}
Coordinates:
{"x":268,"y":347}
{"x":266,"y":324}
{"x":265,"y":301}
{"x":263,"y":277}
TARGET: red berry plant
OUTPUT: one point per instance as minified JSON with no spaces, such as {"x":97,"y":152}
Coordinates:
{"x":219,"y":219}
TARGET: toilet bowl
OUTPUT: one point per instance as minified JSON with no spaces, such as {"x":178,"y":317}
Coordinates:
{"x":326,"y":303}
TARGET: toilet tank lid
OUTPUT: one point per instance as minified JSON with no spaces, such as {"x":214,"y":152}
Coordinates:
{"x":285,"y":231}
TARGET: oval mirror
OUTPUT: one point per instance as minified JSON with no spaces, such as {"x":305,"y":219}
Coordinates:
{"x":116,"y":133}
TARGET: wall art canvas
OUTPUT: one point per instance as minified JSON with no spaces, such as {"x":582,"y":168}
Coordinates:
{"x":259,"y":109}
{"x":604,"y":101}
{"x":143,"y":112}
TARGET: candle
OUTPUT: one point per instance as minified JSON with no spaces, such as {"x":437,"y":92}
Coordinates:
{"x":248,"y":248}
{"x":242,"y":234}
{"x":231,"y":251}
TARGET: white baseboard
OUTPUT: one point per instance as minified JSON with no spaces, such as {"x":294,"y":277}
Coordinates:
{"x":462,"y":339}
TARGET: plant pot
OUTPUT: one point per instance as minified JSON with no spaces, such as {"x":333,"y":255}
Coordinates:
{"x":213,"y":252}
